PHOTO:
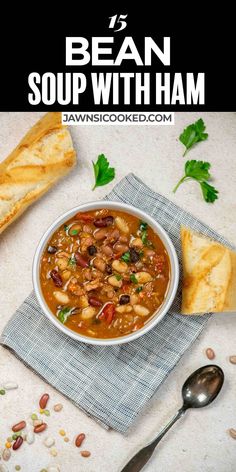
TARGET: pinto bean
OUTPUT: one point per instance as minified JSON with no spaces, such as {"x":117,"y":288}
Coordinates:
{"x":100,"y":234}
{"x":100,"y":264}
{"x":62,"y":263}
{"x":103,"y":222}
{"x":120,"y":247}
{"x":80,"y":260}
{"x":124,"y":309}
{"x":107,"y":250}
{"x":55,"y":276}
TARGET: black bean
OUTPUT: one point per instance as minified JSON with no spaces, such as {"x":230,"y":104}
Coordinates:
{"x":108,"y":269}
{"x":103,"y":222}
{"x":92,"y":250}
{"x":134,"y":255}
{"x":56,"y":278}
{"x":52,"y":249}
{"x":124,"y":299}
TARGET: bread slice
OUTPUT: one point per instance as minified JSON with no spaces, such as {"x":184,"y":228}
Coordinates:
{"x":43,"y":156}
{"x":209,"y":275}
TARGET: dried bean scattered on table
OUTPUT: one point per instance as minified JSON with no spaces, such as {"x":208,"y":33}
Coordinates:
{"x":79,"y":439}
{"x":210,"y":353}
{"x":19,"y":426}
{"x":43,"y":401}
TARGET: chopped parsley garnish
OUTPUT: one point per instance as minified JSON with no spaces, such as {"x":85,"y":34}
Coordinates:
{"x":133,"y":279}
{"x":103,"y":173}
{"x":193,"y":134}
{"x":63,"y":314}
{"x":139,"y":289}
{"x":72,"y":261}
{"x":126,"y":257}
{"x":199,"y":171}
{"x":118,"y":277}
{"x":143,"y":226}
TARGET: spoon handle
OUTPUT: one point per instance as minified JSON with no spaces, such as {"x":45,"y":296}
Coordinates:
{"x":142,"y":457}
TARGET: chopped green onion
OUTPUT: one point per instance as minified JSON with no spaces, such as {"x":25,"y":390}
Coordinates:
{"x":74,"y":232}
{"x":72,"y":261}
{"x":126,"y":257}
{"x":139,"y":289}
{"x":133,"y":279}
{"x":143,"y":226}
{"x":118,"y":277}
{"x":63,"y":314}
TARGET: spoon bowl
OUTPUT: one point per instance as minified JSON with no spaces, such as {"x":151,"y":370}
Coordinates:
{"x":202,"y":386}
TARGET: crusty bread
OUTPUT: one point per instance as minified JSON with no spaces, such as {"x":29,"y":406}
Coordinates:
{"x":43,"y":156}
{"x":209,"y":275}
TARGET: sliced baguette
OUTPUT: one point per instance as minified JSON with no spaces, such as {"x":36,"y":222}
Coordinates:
{"x":42,"y":157}
{"x":209,"y":275}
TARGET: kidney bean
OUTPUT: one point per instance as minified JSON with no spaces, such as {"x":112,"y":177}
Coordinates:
{"x":95,"y":301}
{"x":124,"y":299}
{"x":43,"y":401}
{"x":103,"y":222}
{"x":19,"y":426}
{"x":80,"y":260}
{"x":92,"y":250}
{"x":79,"y":439}
{"x":56,"y":278}
{"x":18,"y":442}
{"x":40,"y":428}
{"x":52,"y":249}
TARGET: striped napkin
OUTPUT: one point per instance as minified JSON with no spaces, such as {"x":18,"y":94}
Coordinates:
{"x":111,"y":384}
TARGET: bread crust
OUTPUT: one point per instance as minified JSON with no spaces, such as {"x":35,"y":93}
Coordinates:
{"x":209,"y":275}
{"x":43,"y":156}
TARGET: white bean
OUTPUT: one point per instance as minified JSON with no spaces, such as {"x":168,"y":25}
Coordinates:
{"x":88,"y":313}
{"x":10,"y":385}
{"x":6,"y":454}
{"x":143,"y":277}
{"x":3,"y":468}
{"x":61,"y":297}
{"x":114,"y":281}
{"x":141,"y":310}
{"x":124,"y":309}
{"x":49,"y":441}
{"x":119,"y":266}
{"x":136,"y":242}
{"x":121,"y":224}
{"x":30,"y":437}
{"x":133,"y":299}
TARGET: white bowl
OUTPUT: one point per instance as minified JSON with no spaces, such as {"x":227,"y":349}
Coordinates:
{"x":172,"y":287}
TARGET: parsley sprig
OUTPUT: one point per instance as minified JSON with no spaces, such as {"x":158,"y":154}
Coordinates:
{"x":199,"y":171}
{"x":193,"y":134}
{"x":103,"y":173}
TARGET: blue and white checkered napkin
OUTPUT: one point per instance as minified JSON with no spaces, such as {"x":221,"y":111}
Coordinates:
{"x":111,"y":384}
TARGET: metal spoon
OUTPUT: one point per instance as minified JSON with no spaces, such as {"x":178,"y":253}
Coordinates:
{"x":199,"y":390}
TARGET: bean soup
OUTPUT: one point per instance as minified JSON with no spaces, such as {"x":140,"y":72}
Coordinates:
{"x":104,"y":273}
